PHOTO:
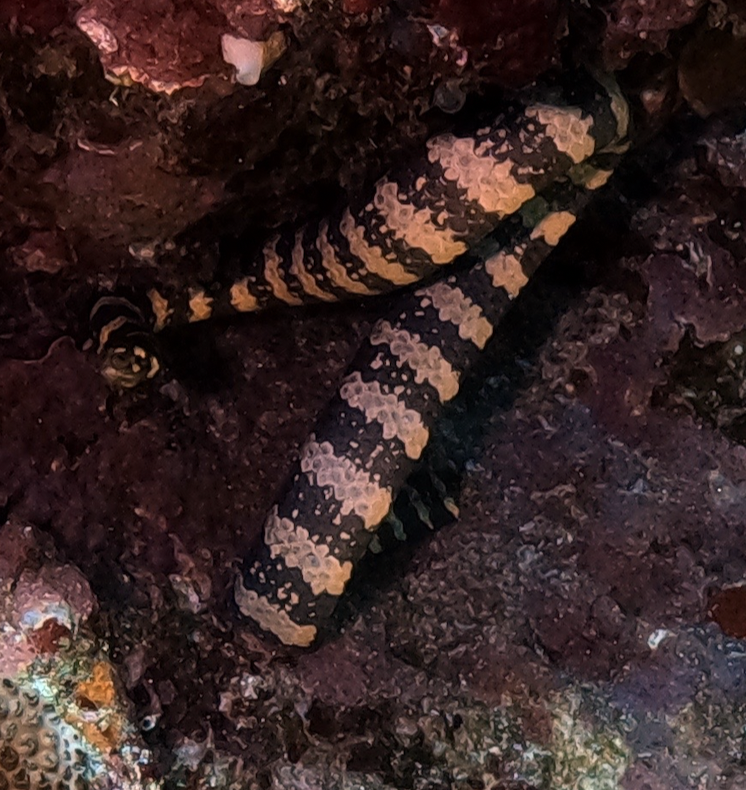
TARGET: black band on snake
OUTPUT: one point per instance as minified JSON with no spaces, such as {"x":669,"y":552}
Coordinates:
{"x":372,"y":435}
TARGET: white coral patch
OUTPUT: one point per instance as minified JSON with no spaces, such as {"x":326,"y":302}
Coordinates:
{"x":249,"y":57}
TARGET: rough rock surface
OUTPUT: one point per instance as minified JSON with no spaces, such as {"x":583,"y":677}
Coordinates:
{"x":636,"y":26}
{"x":64,"y":721}
{"x":581,"y":624}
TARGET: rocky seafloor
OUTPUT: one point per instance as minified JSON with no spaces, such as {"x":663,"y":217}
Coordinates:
{"x":582,"y":623}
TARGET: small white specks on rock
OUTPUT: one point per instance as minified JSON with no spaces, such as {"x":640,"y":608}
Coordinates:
{"x":660,"y":635}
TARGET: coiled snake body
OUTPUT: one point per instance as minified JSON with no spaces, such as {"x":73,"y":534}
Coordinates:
{"x":523,"y":178}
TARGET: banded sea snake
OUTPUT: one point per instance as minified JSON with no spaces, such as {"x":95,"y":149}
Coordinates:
{"x":523,"y":178}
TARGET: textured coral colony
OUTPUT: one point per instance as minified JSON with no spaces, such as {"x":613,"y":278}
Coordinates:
{"x":377,"y":182}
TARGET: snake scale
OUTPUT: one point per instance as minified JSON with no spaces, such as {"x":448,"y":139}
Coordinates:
{"x":501,"y":196}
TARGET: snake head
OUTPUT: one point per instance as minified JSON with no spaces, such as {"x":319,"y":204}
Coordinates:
{"x":128,"y":365}
{"x":125,"y":343}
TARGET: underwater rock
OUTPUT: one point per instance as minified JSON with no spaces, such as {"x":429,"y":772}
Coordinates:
{"x":637,"y":26}
{"x":64,"y":721}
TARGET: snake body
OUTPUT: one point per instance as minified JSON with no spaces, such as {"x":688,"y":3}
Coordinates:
{"x":525,"y":177}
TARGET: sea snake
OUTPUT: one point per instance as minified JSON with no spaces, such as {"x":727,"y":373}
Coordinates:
{"x":525,"y":177}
